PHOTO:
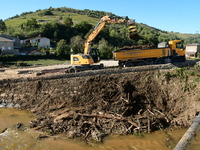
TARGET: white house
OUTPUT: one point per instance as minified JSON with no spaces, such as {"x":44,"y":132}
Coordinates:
{"x":192,"y":50}
{"x":39,"y":41}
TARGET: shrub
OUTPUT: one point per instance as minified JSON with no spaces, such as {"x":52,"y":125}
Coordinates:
{"x":198,"y":55}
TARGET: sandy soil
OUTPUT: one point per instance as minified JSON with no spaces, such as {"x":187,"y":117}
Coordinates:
{"x":6,"y":73}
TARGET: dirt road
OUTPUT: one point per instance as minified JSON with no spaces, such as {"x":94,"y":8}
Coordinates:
{"x":6,"y":73}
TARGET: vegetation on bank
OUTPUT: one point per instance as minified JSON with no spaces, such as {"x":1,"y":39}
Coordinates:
{"x":184,"y":75}
{"x":13,"y":61}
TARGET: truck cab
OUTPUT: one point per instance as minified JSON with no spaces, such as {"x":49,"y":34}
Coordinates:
{"x":177,"y":48}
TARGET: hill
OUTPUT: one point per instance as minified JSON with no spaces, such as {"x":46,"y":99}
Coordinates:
{"x":74,"y":26}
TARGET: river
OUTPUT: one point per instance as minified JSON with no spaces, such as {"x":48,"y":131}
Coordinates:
{"x":15,"y":134}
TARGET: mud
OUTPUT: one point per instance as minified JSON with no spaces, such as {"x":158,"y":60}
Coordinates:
{"x":92,"y":107}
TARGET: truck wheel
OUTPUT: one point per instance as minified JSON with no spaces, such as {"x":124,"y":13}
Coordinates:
{"x":94,"y":68}
{"x":73,"y":70}
{"x":160,"y":61}
{"x":176,"y":60}
{"x":129,"y":64}
{"x":101,"y":66}
{"x":141,"y":63}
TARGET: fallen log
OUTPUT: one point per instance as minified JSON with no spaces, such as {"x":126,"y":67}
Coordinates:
{"x":187,"y":138}
{"x":109,"y":117}
{"x":100,"y":116}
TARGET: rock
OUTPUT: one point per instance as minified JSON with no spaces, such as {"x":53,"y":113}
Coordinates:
{"x":10,"y":105}
{"x":2,"y":105}
{"x":3,"y":130}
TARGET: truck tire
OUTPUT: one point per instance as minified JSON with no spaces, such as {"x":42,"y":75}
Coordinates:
{"x":142,"y":63}
{"x":94,"y":68}
{"x":129,"y":64}
{"x":175,"y":60}
{"x":73,"y":70}
{"x":160,"y":61}
{"x":101,"y":66}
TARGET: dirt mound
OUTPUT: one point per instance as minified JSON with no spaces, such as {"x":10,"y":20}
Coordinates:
{"x":148,"y":46}
{"x":95,"y":106}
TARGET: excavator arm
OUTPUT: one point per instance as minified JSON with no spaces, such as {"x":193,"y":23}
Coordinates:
{"x":97,"y":29}
{"x":95,"y":32}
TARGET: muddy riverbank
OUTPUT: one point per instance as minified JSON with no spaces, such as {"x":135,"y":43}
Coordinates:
{"x":93,"y":107}
{"x":23,"y":137}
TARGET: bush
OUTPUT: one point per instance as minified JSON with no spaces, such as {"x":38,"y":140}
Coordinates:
{"x":46,"y":12}
{"x":9,"y":58}
{"x":198,"y":55}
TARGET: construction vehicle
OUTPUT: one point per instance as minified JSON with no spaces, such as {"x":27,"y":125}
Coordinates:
{"x":166,"y":52}
{"x":91,"y":56}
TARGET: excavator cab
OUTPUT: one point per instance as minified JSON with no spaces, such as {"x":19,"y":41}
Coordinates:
{"x":95,"y":54}
{"x":86,"y":59}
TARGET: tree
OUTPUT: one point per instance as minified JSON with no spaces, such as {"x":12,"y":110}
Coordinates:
{"x":105,"y":49}
{"x":68,"y":21}
{"x":76,"y":44}
{"x":83,"y":28}
{"x":2,"y":25}
{"x":30,"y":24}
{"x":114,"y":33}
{"x":62,"y":49}
{"x":46,"y":12}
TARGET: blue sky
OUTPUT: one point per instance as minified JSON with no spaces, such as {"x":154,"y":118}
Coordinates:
{"x":168,"y":15}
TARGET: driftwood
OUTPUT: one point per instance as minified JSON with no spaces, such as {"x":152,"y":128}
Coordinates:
{"x":187,"y":138}
{"x":109,"y":117}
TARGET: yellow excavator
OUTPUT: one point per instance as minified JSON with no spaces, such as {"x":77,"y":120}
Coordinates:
{"x":89,"y":59}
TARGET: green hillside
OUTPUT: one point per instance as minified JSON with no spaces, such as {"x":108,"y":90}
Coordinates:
{"x":69,"y":24}
{"x":16,"y":22}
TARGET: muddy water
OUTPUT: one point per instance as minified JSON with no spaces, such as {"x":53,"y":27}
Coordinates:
{"x":24,"y":138}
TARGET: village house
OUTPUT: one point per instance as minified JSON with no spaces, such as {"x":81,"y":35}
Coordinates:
{"x":7,"y":46}
{"x":37,"y":41}
{"x":192,"y":50}
{"x":16,"y":40}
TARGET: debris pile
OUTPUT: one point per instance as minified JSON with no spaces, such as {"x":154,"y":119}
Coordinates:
{"x":148,"y":46}
{"x":93,"y":107}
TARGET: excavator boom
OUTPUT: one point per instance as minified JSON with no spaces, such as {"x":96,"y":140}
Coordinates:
{"x":104,"y":20}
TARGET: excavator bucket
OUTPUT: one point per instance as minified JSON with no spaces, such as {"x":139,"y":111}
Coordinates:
{"x":132,"y":29}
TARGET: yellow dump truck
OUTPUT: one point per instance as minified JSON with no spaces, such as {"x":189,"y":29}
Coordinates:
{"x":166,"y":52}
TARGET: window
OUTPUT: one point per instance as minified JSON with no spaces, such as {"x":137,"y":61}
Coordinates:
{"x":179,"y":45}
{"x":75,"y":59}
{"x":85,"y":57}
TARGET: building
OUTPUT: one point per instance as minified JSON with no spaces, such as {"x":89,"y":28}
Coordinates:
{"x":35,"y":52}
{"x":16,"y":40}
{"x":7,"y":46}
{"x":37,"y":41}
{"x":192,"y":50}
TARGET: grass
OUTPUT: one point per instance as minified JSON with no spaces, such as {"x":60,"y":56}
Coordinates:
{"x":39,"y":62}
{"x":184,"y":75}
{"x":77,"y":18}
